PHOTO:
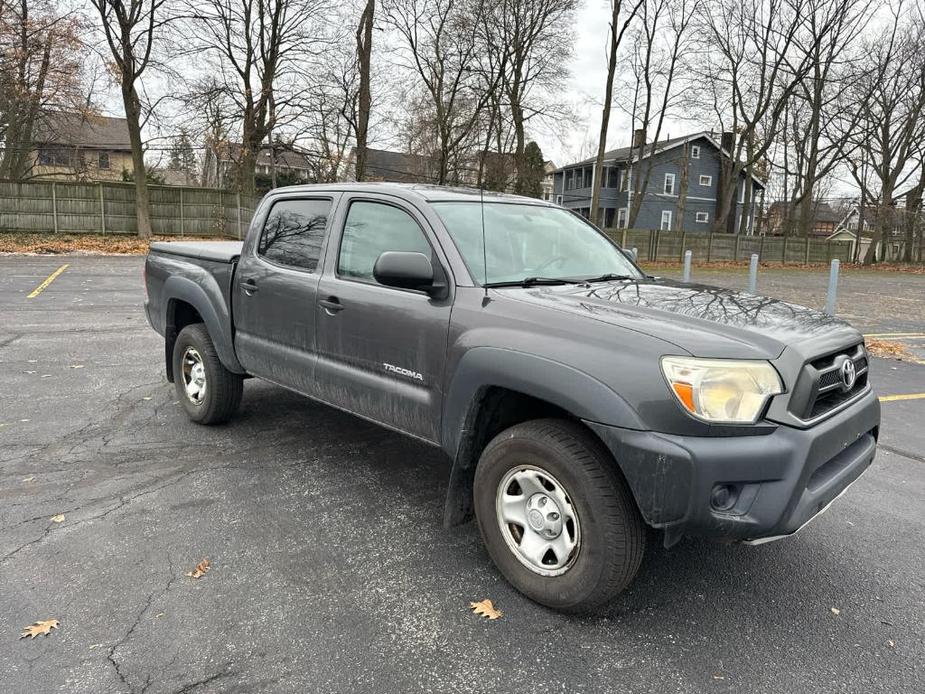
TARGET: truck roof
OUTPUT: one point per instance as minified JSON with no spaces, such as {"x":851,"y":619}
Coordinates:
{"x":415,"y":191}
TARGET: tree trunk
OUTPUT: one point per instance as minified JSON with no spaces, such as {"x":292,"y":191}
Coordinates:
{"x":364,"y":55}
{"x":605,"y":119}
{"x":132,"y":107}
{"x":682,"y":192}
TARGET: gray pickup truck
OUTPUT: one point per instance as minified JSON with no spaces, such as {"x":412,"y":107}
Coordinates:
{"x":581,"y":402}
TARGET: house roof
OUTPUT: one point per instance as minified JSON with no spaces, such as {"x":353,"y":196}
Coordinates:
{"x":396,"y":166}
{"x":83,"y":130}
{"x":822,"y":211}
{"x":627,"y":154}
{"x":287,"y":156}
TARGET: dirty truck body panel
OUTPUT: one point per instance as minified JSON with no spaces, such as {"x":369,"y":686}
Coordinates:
{"x":428,"y":362}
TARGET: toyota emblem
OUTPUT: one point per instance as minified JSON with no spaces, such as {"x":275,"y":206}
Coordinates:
{"x":848,"y":374}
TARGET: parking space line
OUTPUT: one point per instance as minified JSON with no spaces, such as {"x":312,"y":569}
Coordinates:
{"x":48,"y":280}
{"x":905,"y":396}
{"x":894,"y":336}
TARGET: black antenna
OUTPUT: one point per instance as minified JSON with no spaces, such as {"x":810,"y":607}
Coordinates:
{"x":485,"y":299}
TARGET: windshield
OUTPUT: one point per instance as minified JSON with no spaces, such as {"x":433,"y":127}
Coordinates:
{"x":530,"y":241}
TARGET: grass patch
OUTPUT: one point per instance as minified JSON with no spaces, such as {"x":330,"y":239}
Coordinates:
{"x":86,"y":244}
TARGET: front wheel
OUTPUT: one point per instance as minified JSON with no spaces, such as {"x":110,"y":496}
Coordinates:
{"x":556,"y":515}
{"x":208,"y":391}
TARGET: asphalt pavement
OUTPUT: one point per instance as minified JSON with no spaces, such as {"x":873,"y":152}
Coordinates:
{"x":330,"y":569}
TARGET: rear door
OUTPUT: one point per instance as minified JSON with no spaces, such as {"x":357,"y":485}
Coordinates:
{"x":381,"y":350}
{"x":275,"y":292}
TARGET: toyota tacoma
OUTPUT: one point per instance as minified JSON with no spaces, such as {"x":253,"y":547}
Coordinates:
{"x":580,"y":401}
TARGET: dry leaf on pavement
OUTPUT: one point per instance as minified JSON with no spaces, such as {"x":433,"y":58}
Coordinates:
{"x":58,"y":518}
{"x":485,"y":608}
{"x":200,"y":570}
{"x":836,"y":611}
{"x":39,"y":628}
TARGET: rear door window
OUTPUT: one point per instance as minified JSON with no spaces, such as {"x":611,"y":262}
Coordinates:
{"x":293,"y":233}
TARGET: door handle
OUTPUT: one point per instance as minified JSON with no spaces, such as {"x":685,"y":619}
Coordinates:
{"x":249,"y":287}
{"x":332,"y":304}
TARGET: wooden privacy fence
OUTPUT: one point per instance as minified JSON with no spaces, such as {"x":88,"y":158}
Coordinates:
{"x":653,"y":244}
{"x":109,"y":208}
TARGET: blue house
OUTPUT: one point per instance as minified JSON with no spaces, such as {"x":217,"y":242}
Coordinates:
{"x":681,"y":193}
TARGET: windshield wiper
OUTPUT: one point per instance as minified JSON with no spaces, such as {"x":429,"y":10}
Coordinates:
{"x":610,"y":277}
{"x":533,"y":281}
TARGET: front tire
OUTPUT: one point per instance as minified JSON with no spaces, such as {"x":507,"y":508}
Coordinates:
{"x":556,"y":515}
{"x":208,"y":391}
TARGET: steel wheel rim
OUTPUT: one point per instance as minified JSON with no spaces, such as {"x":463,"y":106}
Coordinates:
{"x":538,"y":520}
{"x":194,"y":375}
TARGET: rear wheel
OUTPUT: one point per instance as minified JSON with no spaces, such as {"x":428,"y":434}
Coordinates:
{"x":208,"y":391}
{"x":556,"y":515}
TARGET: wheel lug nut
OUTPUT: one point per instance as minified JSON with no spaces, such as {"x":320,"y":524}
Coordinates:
{"x":553,"y":516}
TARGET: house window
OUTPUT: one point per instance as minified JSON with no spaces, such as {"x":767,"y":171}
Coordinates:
{"x":706,"y":180}
{"x":702,"y":217}
{"x":103,"y":161}
{"x":613,"y":177}
{"x":558,"y":199}
{"x":695,"y":151}
{"x":54,"y":157}
{"x":666,"y":220}
{"x":608,"y":217}
{"x":669,"y":184}
{"x":621,"y":218}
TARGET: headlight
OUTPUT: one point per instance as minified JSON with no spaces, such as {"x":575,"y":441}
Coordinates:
{"x":722,"y":390}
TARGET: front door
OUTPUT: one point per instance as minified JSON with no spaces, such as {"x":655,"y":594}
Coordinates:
{"x":275,"y":293}
{"x":381,"y":350}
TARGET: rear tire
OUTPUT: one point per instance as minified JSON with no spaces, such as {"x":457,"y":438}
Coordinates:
{"x":577,"y":539}
{"x":208,"y":391}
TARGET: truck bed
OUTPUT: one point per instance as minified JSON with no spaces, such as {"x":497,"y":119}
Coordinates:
{"x":217,"y":251}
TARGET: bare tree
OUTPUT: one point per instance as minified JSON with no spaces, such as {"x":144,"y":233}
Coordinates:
{"x":889,"y":95}
{"x":622,"y":14}
{"x":439,"y":45}
{"x":661,"y":42}
{"x":749,"y":74}
{"x":364,"y":39}
{"x":816,"y":125}
{"x":538,"y":36}
{"x":263,"y":55}
{"x":40,"y":68}
{"x":131,"y":28}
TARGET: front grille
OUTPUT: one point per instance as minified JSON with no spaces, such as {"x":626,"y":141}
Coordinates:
{"x":821,"y":387}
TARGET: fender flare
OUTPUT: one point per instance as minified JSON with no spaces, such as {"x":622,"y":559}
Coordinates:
{"x":206,"y":297}
{"x":481,"y":368}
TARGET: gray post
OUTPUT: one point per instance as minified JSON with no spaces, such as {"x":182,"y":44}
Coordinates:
{"x":102,"y":210}
{"x":54,"y":207}
{"x":182,"y":221}
{"x":753,"y":274}
{"x":687,"y":266}
{"x":833,"y":288}
{"x":635,"y":252}
{"x":238,"y":200}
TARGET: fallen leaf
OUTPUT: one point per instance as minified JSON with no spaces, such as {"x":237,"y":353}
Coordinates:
{"x":30,"y":478}
{"x":46,"y":375}
{"x":890,"y":643}
{"x":485,"y":608}
{"x":30,"y":372}
{"x":146,"y":397}
{"x":718,"y":676}
{"x":836,"y":611}
{"x":200,"y":570}
{"x":32,"y":361}
{"x":58,"y":518}
{"x":24,"y":420}
{"x":77,"y":366}
{"x":39,"y":628}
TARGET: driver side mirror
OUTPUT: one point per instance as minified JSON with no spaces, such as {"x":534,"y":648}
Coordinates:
{"x":408,"y":270}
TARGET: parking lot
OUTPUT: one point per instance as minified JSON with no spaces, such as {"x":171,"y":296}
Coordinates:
{"x":330,"y":568}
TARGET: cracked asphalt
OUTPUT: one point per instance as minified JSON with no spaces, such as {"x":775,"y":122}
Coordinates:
{"x":330,"y":569}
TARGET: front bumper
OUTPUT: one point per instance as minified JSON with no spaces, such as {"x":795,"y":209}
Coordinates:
{"x":745,"y":487}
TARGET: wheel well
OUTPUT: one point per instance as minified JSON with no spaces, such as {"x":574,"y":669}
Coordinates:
{"x":179,"y":315}
{"x":495,"y":410}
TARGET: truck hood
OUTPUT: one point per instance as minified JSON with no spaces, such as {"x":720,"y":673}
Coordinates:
{"x":702,"y":320}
